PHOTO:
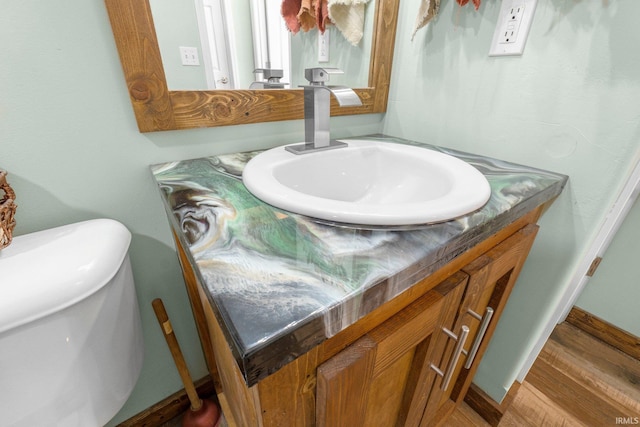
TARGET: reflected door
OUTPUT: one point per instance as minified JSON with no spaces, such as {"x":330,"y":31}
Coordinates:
{"x":216,"y":50}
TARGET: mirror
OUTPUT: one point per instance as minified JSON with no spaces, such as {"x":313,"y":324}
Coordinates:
{"x":233,"y":38}
{"x":157,"y":108}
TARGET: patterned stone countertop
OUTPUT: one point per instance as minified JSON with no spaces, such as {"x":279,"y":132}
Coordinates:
{"x":281,"y":283}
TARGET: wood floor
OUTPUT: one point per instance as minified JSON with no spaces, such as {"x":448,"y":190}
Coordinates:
{"x":577,"y":380}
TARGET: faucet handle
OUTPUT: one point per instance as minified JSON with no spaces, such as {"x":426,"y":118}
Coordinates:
{"x":320,"y":75}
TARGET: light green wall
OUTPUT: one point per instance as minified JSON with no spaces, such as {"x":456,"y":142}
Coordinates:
{"x":613,"y":292}
{"x":569,"y":104}
{"x":70,"y":143}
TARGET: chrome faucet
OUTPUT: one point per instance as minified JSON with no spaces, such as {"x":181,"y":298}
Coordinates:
{"x":271,"y":78}
{"x":317,"y":101}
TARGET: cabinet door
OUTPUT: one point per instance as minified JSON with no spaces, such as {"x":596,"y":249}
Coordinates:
{"x":491,"y":279}
{"x":372,"y":382}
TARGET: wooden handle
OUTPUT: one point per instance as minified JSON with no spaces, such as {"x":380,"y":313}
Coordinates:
{"x":170,"y":337}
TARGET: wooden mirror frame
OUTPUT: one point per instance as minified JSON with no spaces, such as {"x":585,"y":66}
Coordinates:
{"x":158,"y":109}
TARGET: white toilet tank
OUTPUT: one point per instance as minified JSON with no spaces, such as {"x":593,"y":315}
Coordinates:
{"x":71,"y":345}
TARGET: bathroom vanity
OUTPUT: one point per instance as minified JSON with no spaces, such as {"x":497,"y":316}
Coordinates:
{"x":304,"y":322}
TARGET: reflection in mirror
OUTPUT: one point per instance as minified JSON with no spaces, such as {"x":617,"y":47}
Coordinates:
{"x":157,"y":108}
{"x":353,"y":60}
{"x":271,"y":45}
{"x":234,"y":38}
{"x":216,"y":42}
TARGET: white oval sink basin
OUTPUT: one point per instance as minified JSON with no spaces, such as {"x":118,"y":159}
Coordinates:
{"x":369,"y":183}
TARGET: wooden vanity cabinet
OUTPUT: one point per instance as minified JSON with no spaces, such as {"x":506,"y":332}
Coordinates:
{"x":491,"y":279}
{"x":430,"y":369}
{"x":382,"y":370}
{"x":372,"y":382}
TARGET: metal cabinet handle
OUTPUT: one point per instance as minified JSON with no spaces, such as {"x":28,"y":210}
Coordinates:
{"x":488,"y":314}
{"x":446,"y":377}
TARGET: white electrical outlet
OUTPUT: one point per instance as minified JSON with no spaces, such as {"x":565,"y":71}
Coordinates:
{"x":512,"y":29}
{"x":509,"y":32}
{"x":189,"y":55}
{"x":323,"y":46}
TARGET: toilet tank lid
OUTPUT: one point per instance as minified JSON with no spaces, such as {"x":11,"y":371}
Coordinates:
{"x":47,"y":271}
